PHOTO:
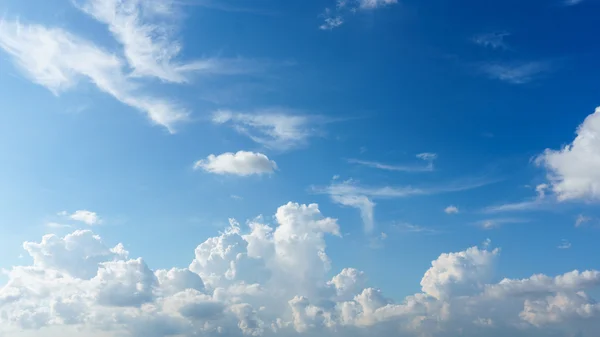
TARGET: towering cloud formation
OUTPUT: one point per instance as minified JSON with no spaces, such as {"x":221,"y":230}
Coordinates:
{"x":273,"y":280}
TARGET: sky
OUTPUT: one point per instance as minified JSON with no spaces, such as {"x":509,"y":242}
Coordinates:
{"x":299,"y":168}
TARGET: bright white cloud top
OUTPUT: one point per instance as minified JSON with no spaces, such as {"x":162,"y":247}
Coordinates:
{"x":267,"y":280}
{"x":574,"y":171}
{"x":241,"y":163}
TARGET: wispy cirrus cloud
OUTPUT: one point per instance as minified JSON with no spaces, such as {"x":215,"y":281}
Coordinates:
{"x":516,"y":72}
{"x":564,"y":244}
{"x":428,"y":157}
{"x":410,"y":228}
{"x":57,"y":60}
{"x":146,"y":30}
{"x":350,"y":193}
{"x":336,"y":16}
{"x":277,"y":129}
{"x":539,"y":202}
{"x":498,"y":222}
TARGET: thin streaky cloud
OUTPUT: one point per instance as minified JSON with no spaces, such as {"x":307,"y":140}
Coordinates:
{"x":277,"y":129}
{"x":537,"y":203}
{"x":516,"y":73}
{"x":410,"y":228}
{"x":389,"y":167}
{"x":426,"y":156}
{"x":498,"y":222}
{"x":350,"y":193}
{"x":564,"y":244}
{"x":58,"y":60}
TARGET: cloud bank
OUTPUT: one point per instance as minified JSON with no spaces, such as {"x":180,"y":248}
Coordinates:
{"x":268,"y":280}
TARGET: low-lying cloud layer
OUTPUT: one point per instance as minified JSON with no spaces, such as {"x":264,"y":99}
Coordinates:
{"x":263,"y":280}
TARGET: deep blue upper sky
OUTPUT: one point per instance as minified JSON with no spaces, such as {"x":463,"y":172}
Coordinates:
{"x":482,"y":88}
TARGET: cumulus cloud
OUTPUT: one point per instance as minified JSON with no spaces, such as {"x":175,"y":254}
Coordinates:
{"x":241,"y":163}
{"x":275,"y":129}
{"x":57,"y":60}
{"x":85,"y":216}
{"x":335,"y":17}
{"x":272,"y":280}
{"x":574,"y":170}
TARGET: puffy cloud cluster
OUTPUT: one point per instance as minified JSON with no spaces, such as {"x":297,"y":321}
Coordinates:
{"x":275,"y":280}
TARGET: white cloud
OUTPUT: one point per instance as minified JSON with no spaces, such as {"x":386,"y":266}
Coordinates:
{"x":145,"y":29}
{"x":350,"y":193}
{"x":275,"y":129}
{"x":581,"y":220}
{"x":272,"y":281}
{"x":495,"y":223}
{"x":242,"y":163}
{"x":493,"y":40}
{"x":56,"y":59}
{"x":85,"y":216}
{"x":410,"y":228}
{"x":335,"y":17}
{"x":451,"y":210}
{"x":428,"y":157}
{"x":516,"y":73}
{"x":564,"y":244}
{"x":539,"y":202}
{"x":574,"y":170}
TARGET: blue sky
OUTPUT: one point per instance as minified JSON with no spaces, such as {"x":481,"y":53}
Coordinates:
{"x":424,"y":128}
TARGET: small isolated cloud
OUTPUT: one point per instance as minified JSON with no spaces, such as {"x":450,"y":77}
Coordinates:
{"x":581,"y":220}
{"x":496,"y":223}
{"x":564,"y":244}
{"x":516,"y":73}
{"x":428,"y":157}
{"x":574,"y":170}
{"x":242,"y":163}
{"x":335,"y":17}
{"x":273,"y":128}
{"x":493,"y":40}
{"x":451,"y":210}
{"x":85,"y":216}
